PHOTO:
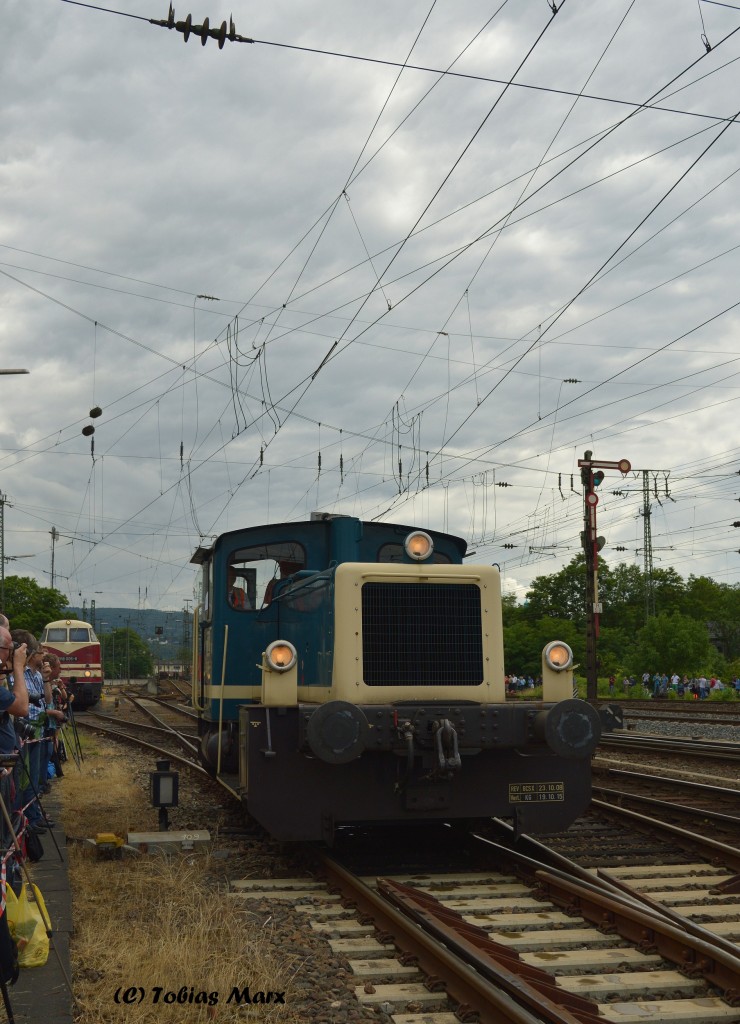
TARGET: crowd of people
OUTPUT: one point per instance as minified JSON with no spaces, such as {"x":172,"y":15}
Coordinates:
{"x":33,"y":706}
{"x":659,"y":684}
{"x":655,"y":684}
{"x":514,"y":683}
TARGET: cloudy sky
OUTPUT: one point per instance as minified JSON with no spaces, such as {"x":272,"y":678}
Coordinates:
{"x":404,"y":261}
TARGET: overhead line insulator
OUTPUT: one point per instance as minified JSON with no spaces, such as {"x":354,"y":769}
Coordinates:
{"x":204,"y":31}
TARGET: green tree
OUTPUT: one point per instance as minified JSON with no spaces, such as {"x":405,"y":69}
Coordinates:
{"x":614,"y":650}
{"x":29,"y":606}
{"x":672,"y":643}
{"x":524,"y":642}
{"x":125,"y":655}
{"x":702,"y":599}
{"x":728,"y":622}
{"x":669,"y":589}
{"x":511,"y":610}
{"x":561,"y":596}
{"x":714,"y":609}
{"x":718,"y":606}
{"x":622,"y":593}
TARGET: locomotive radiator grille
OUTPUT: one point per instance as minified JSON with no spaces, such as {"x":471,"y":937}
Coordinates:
{"x":421,"y":634}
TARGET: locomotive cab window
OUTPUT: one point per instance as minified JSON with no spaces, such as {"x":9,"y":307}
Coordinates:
{"x":253,"y":572}
{"x":54,"y":636}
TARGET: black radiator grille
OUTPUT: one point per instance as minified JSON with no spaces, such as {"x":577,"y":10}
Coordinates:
{"x":421,"y":634}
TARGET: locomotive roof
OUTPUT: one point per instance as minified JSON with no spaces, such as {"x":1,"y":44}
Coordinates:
{"x":68,"y":622}
{"x":318,"y":523}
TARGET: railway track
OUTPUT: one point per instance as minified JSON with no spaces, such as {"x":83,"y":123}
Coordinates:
{"x":693,"y":805}
{"x":614,"y":920}
{"x":525,"y":941}
{"x":696,"y":711}
{"x":128,"y":729}
{"x":689,"y":747}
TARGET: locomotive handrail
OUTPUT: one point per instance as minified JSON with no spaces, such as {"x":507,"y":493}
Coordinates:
{"x":380,"y":574}
{"x":196,"y":673}
{"x":221,"y":700}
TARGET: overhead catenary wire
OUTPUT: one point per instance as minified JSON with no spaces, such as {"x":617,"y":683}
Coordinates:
{"x":276,"y":459}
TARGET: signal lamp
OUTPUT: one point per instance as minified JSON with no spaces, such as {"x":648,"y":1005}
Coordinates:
{"x":558,"y":656}
{"x":418,"y":545}
{"x":281,"y":655}
{"x":598,"y":477}
{"x":163,"y":790}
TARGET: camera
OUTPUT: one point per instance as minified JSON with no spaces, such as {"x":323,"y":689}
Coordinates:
{"x":35,"y":700}
{"x":24,"y":730}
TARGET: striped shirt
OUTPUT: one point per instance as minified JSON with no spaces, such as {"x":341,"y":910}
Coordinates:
{"x":35,"y":684}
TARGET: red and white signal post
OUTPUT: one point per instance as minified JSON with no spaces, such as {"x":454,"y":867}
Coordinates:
{"x":592,"y":473}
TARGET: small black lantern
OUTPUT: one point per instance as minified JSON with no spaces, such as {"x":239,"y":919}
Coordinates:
{"x":163,"y":790}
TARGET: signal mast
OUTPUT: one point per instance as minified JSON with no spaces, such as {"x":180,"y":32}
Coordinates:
{"x":592,"y":474}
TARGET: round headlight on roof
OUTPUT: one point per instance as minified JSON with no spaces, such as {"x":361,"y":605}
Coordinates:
{"x":558,"y":656}
{"x":418,"y":545}
{"x":281,"y":655}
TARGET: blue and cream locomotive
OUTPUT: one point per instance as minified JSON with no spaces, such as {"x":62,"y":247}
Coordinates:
{"x":350,"y":672}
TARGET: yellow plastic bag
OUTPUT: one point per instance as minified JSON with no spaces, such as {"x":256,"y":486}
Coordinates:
{"x":28,"y":919}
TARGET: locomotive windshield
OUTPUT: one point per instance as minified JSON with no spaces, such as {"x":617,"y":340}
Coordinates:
{"x":73,"y":635}
{"x":79,"y":635}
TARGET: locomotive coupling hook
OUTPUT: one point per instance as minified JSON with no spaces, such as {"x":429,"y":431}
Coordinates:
{"x":408,"y":736}
{"x":445,"y":740}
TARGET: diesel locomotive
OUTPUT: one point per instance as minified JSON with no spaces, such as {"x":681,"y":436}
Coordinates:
{"x":78,"y":649}
{"x":353,"y":672}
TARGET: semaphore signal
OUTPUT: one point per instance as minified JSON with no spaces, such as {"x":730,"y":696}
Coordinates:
{"x":592,"y":474}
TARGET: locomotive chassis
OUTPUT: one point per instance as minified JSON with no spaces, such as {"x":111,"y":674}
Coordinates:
{"x":295,"y":794}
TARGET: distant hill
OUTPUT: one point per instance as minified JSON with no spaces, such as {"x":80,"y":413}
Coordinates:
{"x":176,"y":626}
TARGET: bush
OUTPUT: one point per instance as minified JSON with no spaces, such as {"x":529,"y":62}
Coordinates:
{"x":725,"y":694}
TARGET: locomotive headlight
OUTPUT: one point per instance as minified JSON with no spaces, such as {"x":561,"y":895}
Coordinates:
{"x":88,"y":674}
{"x":281,"y":655}
{"x":418,"y":545}
{"x":558,"y":656}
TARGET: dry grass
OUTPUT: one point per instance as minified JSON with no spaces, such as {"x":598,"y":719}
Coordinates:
{"x":103,"y":796}
{"x":150,"y":922}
